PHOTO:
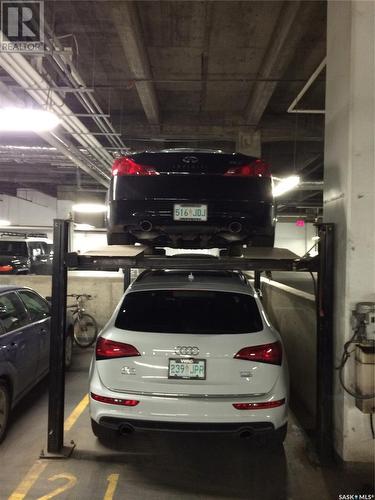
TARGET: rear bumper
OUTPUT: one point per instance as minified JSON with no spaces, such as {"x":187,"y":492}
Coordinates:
{"x":255,"y":428}
{"x":252,"y":218}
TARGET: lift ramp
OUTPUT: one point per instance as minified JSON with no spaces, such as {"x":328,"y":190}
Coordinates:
{"x":112,"y":258}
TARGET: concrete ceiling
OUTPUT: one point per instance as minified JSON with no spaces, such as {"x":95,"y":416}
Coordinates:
{"x":189,"y":73}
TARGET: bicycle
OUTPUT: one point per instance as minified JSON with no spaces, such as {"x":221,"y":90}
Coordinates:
{"x":85,"y":328}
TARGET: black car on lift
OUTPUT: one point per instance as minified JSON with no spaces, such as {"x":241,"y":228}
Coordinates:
{"x":190,"y":199}
{"x":22,"y":253}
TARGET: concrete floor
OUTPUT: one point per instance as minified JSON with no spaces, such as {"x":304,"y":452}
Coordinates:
{"x":157,"y":466}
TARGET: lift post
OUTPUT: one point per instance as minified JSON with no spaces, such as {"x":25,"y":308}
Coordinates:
{"x":57,"y":341}
{"x":254,"y":259}
{"x":325,"y":359}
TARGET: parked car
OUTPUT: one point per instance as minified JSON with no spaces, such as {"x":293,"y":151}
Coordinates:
{"x":189,"y":351}
{"x":190,"y":199}
{"x":25,"y":328}
{"x":24,"y":254}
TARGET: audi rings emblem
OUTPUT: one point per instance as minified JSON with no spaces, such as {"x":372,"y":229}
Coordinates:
{"x":184,"y":350}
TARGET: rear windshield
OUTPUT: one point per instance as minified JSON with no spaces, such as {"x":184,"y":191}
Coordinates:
{"x":189,"y":311}
{"x":13,"y":248}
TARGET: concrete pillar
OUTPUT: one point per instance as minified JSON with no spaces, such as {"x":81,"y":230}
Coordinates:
{"x":249,"y":142}
{"x":349,"y":188}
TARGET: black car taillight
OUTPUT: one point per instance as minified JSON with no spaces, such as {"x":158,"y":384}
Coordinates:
{"x":266,"y":353}
{"x":127,"y":166}
{"x":257,"y":168}
{"x":107,"y":349}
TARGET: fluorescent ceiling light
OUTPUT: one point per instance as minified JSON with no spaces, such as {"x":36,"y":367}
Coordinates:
{"x":89,"y":208}
{"x":83,"y":227}
{"x":4,"y":222}
{"x":27,"y":120}
{"x":286,"y":184}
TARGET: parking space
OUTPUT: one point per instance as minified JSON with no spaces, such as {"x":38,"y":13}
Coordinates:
{"x":158,"y":466}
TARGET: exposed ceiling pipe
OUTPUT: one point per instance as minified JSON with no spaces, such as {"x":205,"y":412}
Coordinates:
{"x":26,"y":76}
{"x":61,"y":145}
{"x":310,"y":186}
{"x":305,"y":88}
{"x":71,"y":74}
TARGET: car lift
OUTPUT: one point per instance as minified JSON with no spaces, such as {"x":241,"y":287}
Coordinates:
{"x":253,"y":259}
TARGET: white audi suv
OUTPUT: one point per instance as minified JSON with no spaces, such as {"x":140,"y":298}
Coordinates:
{"x":189,"y":351}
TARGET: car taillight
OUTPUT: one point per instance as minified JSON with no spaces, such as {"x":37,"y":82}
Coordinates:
{"x":127,"y":166}
{"x":114,"y":401}
{"x":6,"y":269}
{"x":107,"y":349}
{"x":266,"y":353}
{"x":259,"y":406}
{"x":257,"y":168}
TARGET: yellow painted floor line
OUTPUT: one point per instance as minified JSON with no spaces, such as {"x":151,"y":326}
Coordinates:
{"x":113,"y":480}
{"x":35,"y":471}
{"x":76,"y":413}
{"x":28,"y":481}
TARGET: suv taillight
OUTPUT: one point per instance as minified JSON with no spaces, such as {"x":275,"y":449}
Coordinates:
{"x":266,"y":353}
{"x":257,"y":168}
{"x":107,"y":349}
{"x":127,"y":166}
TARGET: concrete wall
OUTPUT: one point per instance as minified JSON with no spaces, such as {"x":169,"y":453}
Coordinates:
{"x":32,"y":208}
{"x":349,"y":196}
{"x":293,"y":314}
{"x":106,"y":290}
{"x":297,"y":239}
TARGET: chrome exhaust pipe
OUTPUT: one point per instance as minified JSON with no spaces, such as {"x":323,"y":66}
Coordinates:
{"x":125,"y":429}
{"x":145,"y":225}
{"x":235,"y":227}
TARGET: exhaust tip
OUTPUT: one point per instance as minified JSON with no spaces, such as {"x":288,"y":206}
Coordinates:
{"x":235,"y":227}
{"x":145,"y":225}
{"x":125,"y":429}
{"x":246,"y":433}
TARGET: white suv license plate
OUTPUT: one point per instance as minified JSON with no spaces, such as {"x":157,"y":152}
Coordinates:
{"x":187,"y":368}
{"x":190,"y":212}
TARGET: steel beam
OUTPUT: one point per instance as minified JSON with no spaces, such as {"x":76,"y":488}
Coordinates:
{"x":126,"y":20}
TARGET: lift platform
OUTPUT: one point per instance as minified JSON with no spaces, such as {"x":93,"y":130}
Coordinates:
{"x":112,"y":258}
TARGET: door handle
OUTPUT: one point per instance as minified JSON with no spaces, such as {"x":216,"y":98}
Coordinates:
{"x":43,"y":331}
{"x":12,"y":346}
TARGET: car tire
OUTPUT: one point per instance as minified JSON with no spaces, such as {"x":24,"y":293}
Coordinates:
{"x":68,"y":350}
{"x":235,"y":250}
{"x":262,"y":241}
{"x":4,"y":409}
{"x":274,"y":440}
{"x":120,"y":239}
{"x":102,"y":433}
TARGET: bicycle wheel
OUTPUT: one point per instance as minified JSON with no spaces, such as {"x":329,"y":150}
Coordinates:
{"x":85,"y":330}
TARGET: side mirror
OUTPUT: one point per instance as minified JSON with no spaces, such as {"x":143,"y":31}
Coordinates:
{"x":3,"y":311}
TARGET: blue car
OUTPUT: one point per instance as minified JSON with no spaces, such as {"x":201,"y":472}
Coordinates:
{"x":25,"y":328}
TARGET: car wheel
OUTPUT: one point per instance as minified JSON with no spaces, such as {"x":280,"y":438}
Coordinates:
{"x":120,"y":239}
{"x":102,"y":433}
{"x":68,"y":351}
{"x":262,"y":241}
{"x":4,"y":409}
{"x":274,"y":440}
{"x":235,"y":250}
